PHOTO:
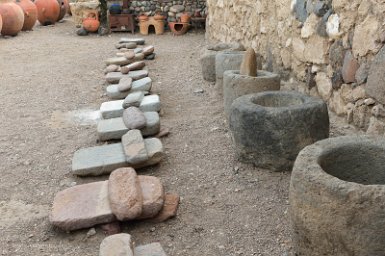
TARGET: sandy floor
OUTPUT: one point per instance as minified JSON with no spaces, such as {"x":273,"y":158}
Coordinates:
{"x":227,"y":208}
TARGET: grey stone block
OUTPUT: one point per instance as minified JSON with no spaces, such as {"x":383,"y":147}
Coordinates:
{"x":152,"y":124}
{"x":111,"y":129}
{"x":226,"y":60}
{"x":112,"y":109}
{"x":207,"y":61}
{"x":98,"y":160}
{"x":133,"y":99}
{"x":134,"y":147}
{"x":143,"y":84}
{"x":150,"y":103}
{"x":114,"y":93}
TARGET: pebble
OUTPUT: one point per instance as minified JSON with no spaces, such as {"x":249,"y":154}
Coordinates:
{"x":133,"y":99}
{"x":125,"y":84}
{"x":150,"y":57}
{"x":117,"y":61}
{"x":148,"y":50}
{"x":150,"y":103}
{"x":134,"y":118}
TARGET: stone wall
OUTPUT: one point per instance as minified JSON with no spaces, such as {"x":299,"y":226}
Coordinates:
{"x":172,"y":9}
{"x":332,"y":49}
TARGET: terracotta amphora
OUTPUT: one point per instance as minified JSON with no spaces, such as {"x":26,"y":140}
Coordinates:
{"x":47,"y":11}
{"x":12,"y":17}
{"x":64,"y":7}
{"x":30,"y":13}
{"x":185,"y":18}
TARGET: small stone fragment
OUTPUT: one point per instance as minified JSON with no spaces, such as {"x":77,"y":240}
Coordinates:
{"x":170,"y":208}
{"x":125,"y":194}
{"x":82,"y":32}
{"x":153,"y":196}
{"x":133,"y":99}
{"x":134,"y":147}
{"x":150,"y":57}
{"x":152,"y":124}
{"x":249,"y":63}
{"x":117,"y":245}
{"x":129,"y":55}
{"x":111,"y":68}
{"x":133,"y":118}
{"x":129,"y":45}
{"x":125,"y":84}
{"x":154,"y":249}
{"x":139,"y":56}
{"x":163,"y":132}
{"x":82,"y":206}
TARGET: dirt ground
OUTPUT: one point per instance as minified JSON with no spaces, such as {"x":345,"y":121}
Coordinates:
{"x":227,"y":208}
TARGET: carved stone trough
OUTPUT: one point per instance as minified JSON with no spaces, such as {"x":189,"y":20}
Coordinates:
{"x":337,"y":197}
{"x":269,"y":129}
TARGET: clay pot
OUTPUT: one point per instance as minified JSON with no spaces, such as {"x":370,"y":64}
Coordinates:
{"x":91,"y":23}
{"x":64,"y":7}
{"x":12,"y":18}
{"x":47,"y":11}
{"x":30,"y":13}
{"x":185,"y":18}
{"x":143,"y":17}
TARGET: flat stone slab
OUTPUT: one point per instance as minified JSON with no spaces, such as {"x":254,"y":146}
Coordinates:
{"x":82,"y":206}
{"x":148,"y":50}
{"x":112,"y":109}
{"x":143,"y":84}
{"x":114,"y":77}
{"x":98,"y":160}
{"x":150,"y":103}
{"x":170,"y":208}
{"x":113,"y":92}
{"x":133,"y":99}
{"x":134,"y":147}
{"x":114,"y":128}
{"x":139,"y":41}
{"x":125,"y":194}
{"x":117,"y":245}
{"x":154,"y":249}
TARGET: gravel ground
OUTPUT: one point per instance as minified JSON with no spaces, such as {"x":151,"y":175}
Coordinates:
{"x":49,"y":76}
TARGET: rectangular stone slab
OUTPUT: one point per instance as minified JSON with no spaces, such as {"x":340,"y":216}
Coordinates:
{"x":82,"y":206}
{"x":114,"y":128}
{"x":150,"y":103}
{"x":112,"y":109}
{"x":98,"y":160}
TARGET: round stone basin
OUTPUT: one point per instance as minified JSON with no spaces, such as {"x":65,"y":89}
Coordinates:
{"x":270,"y":128}
{"x":337,"y":197}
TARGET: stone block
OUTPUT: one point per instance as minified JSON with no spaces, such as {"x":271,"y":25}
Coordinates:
{"x":82,"y":206}
{"x":109,"y":129}
{"x":117,"y":245}
{"x":207,"y":61}
{"x":138,"y":41}
{"x":134,"y":147}
{"x":153,"y":196}
{"x":138,"y":74}
{"x":98,"y":160}
{"x":150,"y":103}
{"x":152,"y":124}
{"x":125,"y":194}
{"x":155,"y":152}
{"x":112,"y":109}
{"x":133,"y":99}
{"x":113,"y":92}
{"x":117,"y":61}
{"x":143,"y":84}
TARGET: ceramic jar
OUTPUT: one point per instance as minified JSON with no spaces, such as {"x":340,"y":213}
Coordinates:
{"x":12,"y":18}
{"x":47,"y":11}
{"x":30,"y":13}
{"x":185,"y":18}
{"x":91,"y":23}
{"x":64,"y":7}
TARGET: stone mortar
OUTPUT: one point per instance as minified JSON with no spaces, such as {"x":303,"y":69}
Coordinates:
{"x":226,"y":60}
{"x":207,"y":61}
{"x":269,"y":129}
{"x":236,"y":85}
{"x":337,"y":197}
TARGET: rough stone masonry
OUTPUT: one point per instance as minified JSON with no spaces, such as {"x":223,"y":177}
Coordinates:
{"x":334,"y":49}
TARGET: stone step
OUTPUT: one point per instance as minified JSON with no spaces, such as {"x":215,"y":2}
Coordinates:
{"x":114,"y":128}
{"x":100,"y":160}
{"x":82,"y":206}
{"x":154,"y":249}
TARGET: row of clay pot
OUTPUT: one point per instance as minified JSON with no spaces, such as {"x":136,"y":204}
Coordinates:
{"x":184,"y":18}
{"x":19,"y":15}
